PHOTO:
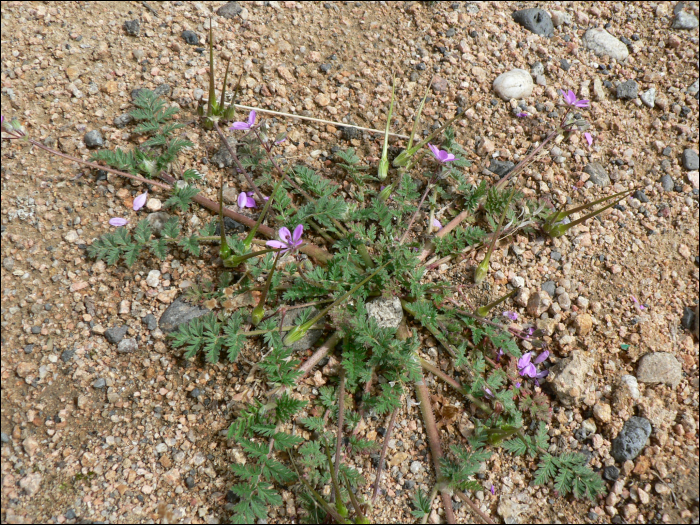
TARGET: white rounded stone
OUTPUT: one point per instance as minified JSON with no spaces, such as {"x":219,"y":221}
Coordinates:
{"x":514,"y":84}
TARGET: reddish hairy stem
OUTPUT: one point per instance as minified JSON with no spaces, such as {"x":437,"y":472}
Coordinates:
{"x":473,"y":506}
{"x":380,"y":466}
{"x":431,"y":431}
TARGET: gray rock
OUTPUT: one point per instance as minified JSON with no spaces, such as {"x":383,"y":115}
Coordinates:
{"x":500,"y":167}
{"x":550,"y":287}
{"x":564,"y":301}
{"x":660,"y":367}
{"x":688,"y":319}
{"x":136,"y":92}
{"x":230,"y":226}
{"x":8,"y":263}
{"x":536,"y":20}
{"x":640,"y":196}
{"x":116,"y":334}
{"x":132,"y":27}
{"x":690,"y":159}
{"x":649,"y":97}
{"x":537,"y":69}
{"x":311,"y":336}
{"x":538,"y":304}
{"x":386,"y":311}
{"x":350,"y":133}
{"x":150,"y":321}
{"x":180,"y":312}
{"x":99,"y":383}
{"x":163,"y":90}
{"x":631,"y":440}
{"x":693,"y":88}
{"x":127,"y":346}
{"x":685,"y":20}
{"x":122,"y":120}
{"x":4,"y":438}
{"x":93,"y":139}
{"x":627,"y":90}
{"x":190,"y":37}
{"x":67,"y":355}
{"x":603,"y":43}
{"x":516,"y":83}
{"x":667,"y":182}
{"x":229,"y":10}
{"x":597,"y":174}
{"x":222,"y":157}
{"x":157,"y":221}
{"x":569,"y":378}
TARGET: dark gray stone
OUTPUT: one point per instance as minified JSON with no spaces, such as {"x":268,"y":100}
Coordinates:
{"x":500,"y":167}
{"x":350,"y":133}
{"x":180,"y":312}
{"x":115,"y":334}
{"x":230,"y":226}
{"x":565,"y":64}
{"x":132,"y":27}
{"x":93,"y":139}
{"x":157,"y":221}
{"x":640,"y":196}
{"x":311,"y":336}
{"x":4,"y":438}
{"x":688,"y":319}
{"x":690,"y":159}
{"x":122,"y":120}
{"x":28,"y":349}
{"x":70,"y":514}
{"x":195,"y":393}
{"x":631,"y":439}
{"x":597,"y":174}
{"x":222,"y":158}
{"x":190,"y":37}
{"x":611,"y":473}
{"x":136,"y":92}
{"x":99,"y":383}
{"x":150,"y":321}
{"x":627,"y":90}
{"x":667,"y":182}
{"x":67,"y":355}
{"x":535,"y":20}
{"x":550,"y":287}
{"x":229,"y":10}
{"x":163,"y":90}
{"x":189,"y":481}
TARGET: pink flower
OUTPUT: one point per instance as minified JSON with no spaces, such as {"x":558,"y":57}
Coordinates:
{"x":571,"y":100}
{"x":246,"y":200}
{"x":245,"y":125}
{"x":140,"y":201}
{"x":118,"y":221}
{"x":437,"y":224}
{"x":441,"y":155}
{"x":288,"y":241}
{"x":513,"y":316}
{"x":527,"y":368}
{"x":589,"y":138}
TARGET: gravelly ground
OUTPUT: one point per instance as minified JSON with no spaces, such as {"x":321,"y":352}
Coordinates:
{"x":89,"y":433}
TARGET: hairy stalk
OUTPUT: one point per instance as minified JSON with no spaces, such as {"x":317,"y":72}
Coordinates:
{"x":385,"y":446}
{"x":341,"y":421}
{"x":431,"y":430}
{"x":474,"y":507}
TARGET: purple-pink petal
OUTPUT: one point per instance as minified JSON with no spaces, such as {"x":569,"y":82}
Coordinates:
{"x":118,"y":221}
{"x":251,"y":119}
{"x":276,"y":244}
{"x":589,"y":138}
{"x":542,"y":357}
{"x":437,"y":224}
{"x":298,"y":232}
{"x":242,"y":200}
{"x":285,"y":235}
{"x":140,"y":201}
{"x":510,"y":315}
{"x":239,"y":125}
